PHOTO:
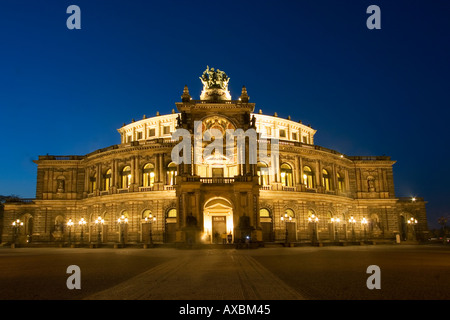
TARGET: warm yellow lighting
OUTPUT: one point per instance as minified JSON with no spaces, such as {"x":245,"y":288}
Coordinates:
{"x":364,"y":221}
{"x":351,"y":220}
{"x":82,"y":222}
{"x":70,"y":223}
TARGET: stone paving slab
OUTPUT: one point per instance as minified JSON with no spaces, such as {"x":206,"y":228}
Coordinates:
{"x":204,"y":275}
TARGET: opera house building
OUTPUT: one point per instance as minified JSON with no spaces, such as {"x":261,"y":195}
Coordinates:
{"x":169,"y":181}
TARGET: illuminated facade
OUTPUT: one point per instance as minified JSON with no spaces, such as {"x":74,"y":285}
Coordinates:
{"x":135,"y":193}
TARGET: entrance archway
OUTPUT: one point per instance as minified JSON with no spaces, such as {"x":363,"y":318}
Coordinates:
{"x":218,"y":221}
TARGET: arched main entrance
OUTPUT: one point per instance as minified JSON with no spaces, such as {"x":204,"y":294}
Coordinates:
{"x":218,"y":221}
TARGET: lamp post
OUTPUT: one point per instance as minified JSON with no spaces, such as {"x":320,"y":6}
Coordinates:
{"x":82,"y":223}
{"x":364,"y":223}
{"x":286,"y":219}
{"x":352,"y":221}
{"x":69,"y":225}
{"x":16,"y":226}
{"x":150,"y":219}
{"x":99,"y":222}
{"x":314,"y":220}
{"x":412,"y":222}
{"x":335,"y":222}
{"x":122,"y":221}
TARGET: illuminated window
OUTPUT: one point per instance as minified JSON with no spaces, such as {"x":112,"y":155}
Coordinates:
{"x":326,"y":180}
{"x":263,"y":174}
{"x":146,"y":213}
{"x":148,"y":175}
{"x":108,"y":181}
{"x":286,"y":175}
{"x":308,"y":177}
{"x":171,"y":173}
{"x":172,"y":213}
{"x":264,"y":213}
{"x":126,"y":177}
{"x":289,"y":213}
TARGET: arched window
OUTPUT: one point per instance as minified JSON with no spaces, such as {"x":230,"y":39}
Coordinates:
{"x":312,"y":216}
{"x":148,"y":175}
{"x":108,"y":181}
{"x":264,"y":213}
{"x":126,"y":177}
{"x":171,"y":173}
{"x":172,"y":213}
{"x":124,"y":214}
{"x":308,"y":177}
{"x":289,"y":213}
{"x":326,"y":180}
{"x":263,"y":174}
{"x":286,"y":175}
{"x":146,"y":213}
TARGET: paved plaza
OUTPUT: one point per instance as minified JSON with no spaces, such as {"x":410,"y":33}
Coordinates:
{"x":300,"y":273}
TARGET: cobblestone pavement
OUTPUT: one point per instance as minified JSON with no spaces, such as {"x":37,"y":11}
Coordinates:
{"x":327,"y":273}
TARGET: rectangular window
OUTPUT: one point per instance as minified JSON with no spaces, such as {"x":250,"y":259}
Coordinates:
{"x":128,"y":139}
{"x":269,"y":131}
{"x":294,"y":136}
{"x":152,"y":132}
{"x":139,"y":135}
{"x":217,"y":172}
{"x":166,"y":130}
{"x":282,"y":133}
{"x":305,"y":139}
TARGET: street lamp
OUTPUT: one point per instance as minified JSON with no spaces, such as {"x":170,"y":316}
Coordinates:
{"x":99,"y":222}
{"x":82,"y":223}
{"x":312,"y":218}
{"x":287,"y":218}
{"x":16,"y":225}
{"x":69,"y":225}
{"x":364,"y":223}
{"x":412,"y":222}
{"x":150,"y":219}
{"x":352,"y":221}
{"x":122,"y":220}
{"x":335,"y":222}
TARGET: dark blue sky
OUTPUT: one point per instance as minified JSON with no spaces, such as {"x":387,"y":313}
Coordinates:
{"x":367,"y":92}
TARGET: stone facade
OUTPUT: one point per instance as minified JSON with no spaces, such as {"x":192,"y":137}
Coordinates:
{"x":166,"y":202}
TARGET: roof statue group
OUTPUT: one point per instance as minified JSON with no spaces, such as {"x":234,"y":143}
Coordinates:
{"x":214,"y":79}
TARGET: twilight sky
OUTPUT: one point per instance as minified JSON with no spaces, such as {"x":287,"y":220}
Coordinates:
{"x":367,"y":92}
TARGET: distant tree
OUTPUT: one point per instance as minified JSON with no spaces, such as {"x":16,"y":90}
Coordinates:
{"x":12,"y":197}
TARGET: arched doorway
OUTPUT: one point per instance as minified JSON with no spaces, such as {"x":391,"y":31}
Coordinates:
{"x":218,"y":221}
{"x":170,"y":225}
{"x":403,"y":228}
{"x":265,"y":218}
